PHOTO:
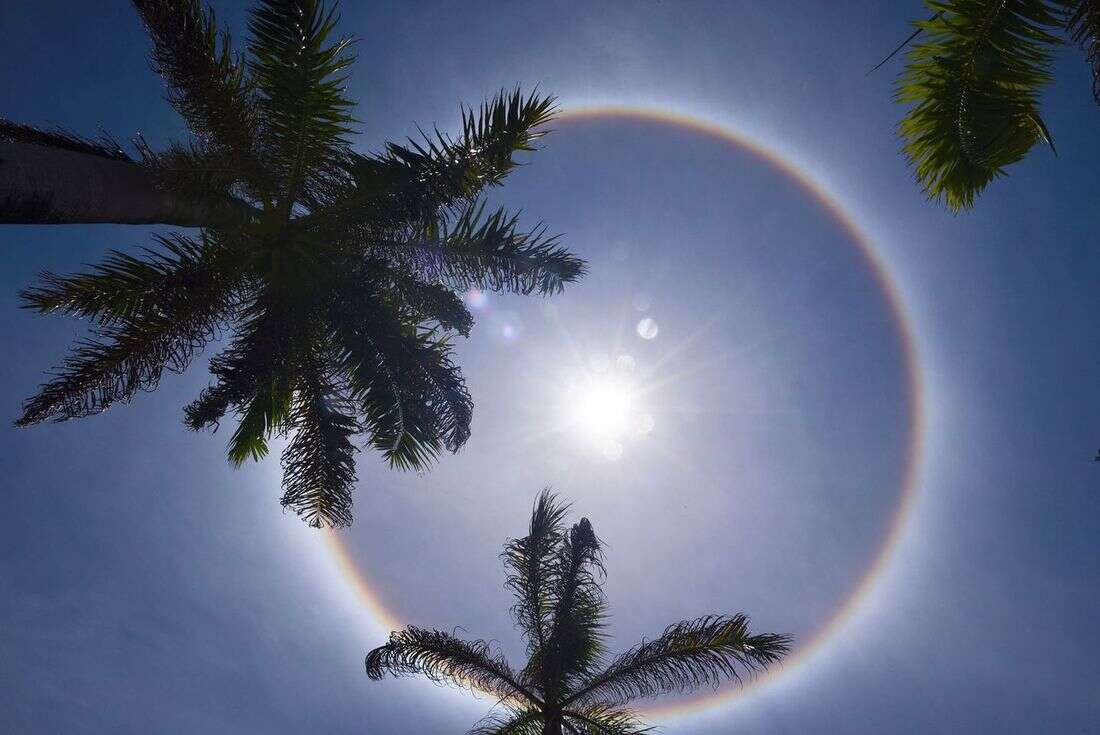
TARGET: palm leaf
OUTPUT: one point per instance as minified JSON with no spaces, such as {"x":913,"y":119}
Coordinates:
{"x":490,"y":253}
{"x":445,"y":659}
{"x":298,"y":74}
{"x":412,"y":395}
{"x":256,"y":373}
{"x":524,"y":722}
{"x":688,"y":655}
{"x":319,"y":462}
{"x":154,"y":314}
{"x":528,"y":562}
{"x":424,"y":302}
{"x":416,"y":180}
{"x":973,"y":84}
{"x":604,"y":720}
{"x":207,"y":82}
{"x":117,"y":362}
{"x":1084,"y":27}
{"x":104,"y":146}
{"x":123,"y":286}
{"x":265,"y":413}
{"x":575,"y":645}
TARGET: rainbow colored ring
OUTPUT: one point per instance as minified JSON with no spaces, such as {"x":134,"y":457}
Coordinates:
{"x":913,"y":376}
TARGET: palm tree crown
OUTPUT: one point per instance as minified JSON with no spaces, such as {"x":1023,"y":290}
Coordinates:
{"x":973,"y":84}
{"x":333,"y":274}
{"x":569,"y":683}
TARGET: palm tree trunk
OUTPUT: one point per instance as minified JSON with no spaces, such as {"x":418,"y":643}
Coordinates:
{"x":551,"y":725}
{"x":43,"y":185}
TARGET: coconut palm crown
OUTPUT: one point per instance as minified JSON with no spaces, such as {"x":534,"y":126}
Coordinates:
{"x":569,"y":683}
{"x":973,"y":84}
{"x":332,"y":276}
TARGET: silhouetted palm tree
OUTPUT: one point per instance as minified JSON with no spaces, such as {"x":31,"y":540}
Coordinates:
{"x":973,"y":83}
{"x":334,"y":273}
{"x":569,"y":684}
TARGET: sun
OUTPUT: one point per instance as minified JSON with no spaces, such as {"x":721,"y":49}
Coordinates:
{"x":604,"y":409}
{"x":601,"y":407}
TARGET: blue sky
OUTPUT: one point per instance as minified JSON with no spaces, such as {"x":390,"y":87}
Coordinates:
{"x":145,"y":586}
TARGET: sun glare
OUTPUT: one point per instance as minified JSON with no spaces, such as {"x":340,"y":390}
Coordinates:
{"x":602,"y":407}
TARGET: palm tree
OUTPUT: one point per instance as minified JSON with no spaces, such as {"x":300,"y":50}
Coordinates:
{"x":973,"y":85}
{"x":569,"y":685}
{"x":334,"y":274}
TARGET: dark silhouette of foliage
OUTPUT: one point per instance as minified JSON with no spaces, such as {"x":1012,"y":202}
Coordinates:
{"x":569,"y":684}
{"x":336,"y":280}
{"x":973,"y":83}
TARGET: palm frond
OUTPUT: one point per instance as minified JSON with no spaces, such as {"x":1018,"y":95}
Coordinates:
{"x":437,"y":172}
{"x":104,"y":146}
{"x":688,"y":655}
{"x":206,"y":80}
{"x":120,"y":360}
{"x":445,"y":659}
{"x":490,"y":253}
{"x":123,"y":286}
{"x":255,"y":375}
{"x":1083,"y":25}
{"x":265,"y":413}
{"x":411,"y":393}
{"x":153,"y":314}
{"x":319,"y":462}
{"x":576,"y":644}
{"x":210,"y":407}
{"x":604,"y":720}
{"x":523,"y":722}
{"x":397,"y":422}
{"x":973,"y":84}
{"x":528,"y":562}
{"x":427,"y":302}
{"x":299,"y":76}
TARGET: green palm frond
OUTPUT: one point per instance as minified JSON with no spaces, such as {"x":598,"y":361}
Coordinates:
{"x":207,"y":83}
{"x":396,"y":419}
{"x":265,"y":413}
{"x":690,"y":654}
{"x":123,"y":286}
{"x":153,"y":314}
{"x":576,"y":642}
{"x":299,"y":76}
{"x":1084,"y":28}
{"x":445,"y":659}
{"x":973,"y":84}
{"x":255,"y":375}
{"x":118,"y":361}
{"x":206,"y":177}
{"x":425,"y":302}
{"x":319,"y":462}
{"x":456,"y":171}
{"x":490,"y":253}
{"x":411,"y":393}
{"x":523,"y":722}
{"x":527,"y":562}
{"x":604,"y":720}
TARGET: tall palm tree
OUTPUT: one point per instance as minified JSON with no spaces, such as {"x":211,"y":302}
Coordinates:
{"x":333,"y":273}
{"x":973,"y":83}
{"x":569,"y":685}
